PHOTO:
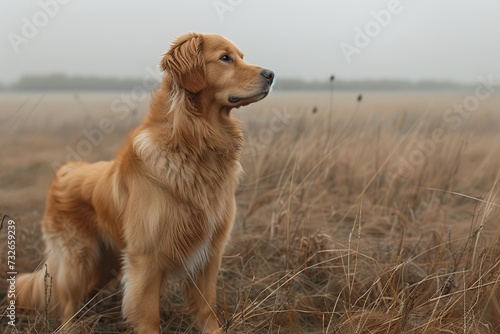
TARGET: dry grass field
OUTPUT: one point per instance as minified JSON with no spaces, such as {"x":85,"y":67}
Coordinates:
{"x":374,"y":216}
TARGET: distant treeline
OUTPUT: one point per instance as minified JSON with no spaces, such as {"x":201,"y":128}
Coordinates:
{"x":60,"y":82}
{"x":368,"y":85}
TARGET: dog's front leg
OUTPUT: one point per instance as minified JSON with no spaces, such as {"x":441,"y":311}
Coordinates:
{"x":201,"y":294}
{"x":141,"y":298}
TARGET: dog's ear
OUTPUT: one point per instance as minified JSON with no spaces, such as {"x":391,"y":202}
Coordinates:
{"x":184,"y":62}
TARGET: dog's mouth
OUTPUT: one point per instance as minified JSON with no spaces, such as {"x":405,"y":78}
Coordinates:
{"x":248,"y":99}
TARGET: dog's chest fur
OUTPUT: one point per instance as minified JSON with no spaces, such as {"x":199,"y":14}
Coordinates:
{"x":193,"y":177}
{"x":203,"y":186}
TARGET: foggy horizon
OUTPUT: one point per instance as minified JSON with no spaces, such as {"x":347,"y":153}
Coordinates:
{"x":61,"y":82}
{"x":377,"y":40}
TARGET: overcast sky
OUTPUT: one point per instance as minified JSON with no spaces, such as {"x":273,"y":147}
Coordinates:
{"x":353,"y":39}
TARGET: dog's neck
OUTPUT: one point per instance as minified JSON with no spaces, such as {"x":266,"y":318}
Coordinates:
{"x":194,"y":122}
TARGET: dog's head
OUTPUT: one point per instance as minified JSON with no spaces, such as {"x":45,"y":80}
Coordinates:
{"x":212,"y":66}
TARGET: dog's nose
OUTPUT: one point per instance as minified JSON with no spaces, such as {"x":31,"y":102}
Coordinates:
{"x":268,"y":75}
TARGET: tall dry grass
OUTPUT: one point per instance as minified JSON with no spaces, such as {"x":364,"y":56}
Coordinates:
{"x":336,"y":234}
{"x":340,"y":243}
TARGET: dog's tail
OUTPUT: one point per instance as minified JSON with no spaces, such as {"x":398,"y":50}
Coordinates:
{"x":47,"y":288}
{"x":61,"y":283}
{"x":34,"y":290}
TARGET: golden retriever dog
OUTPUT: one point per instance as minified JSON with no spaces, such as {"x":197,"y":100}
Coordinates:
{"x":165,"y":206}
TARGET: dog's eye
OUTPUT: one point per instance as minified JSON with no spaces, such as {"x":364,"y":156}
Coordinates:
{"x":226,"y":58}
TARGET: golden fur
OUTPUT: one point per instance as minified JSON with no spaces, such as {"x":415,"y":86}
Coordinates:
{"x":165,"y":205}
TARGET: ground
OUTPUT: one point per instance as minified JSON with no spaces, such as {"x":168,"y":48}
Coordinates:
{"x":378,"y":215}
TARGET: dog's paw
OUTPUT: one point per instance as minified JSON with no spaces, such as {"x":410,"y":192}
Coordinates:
{"x":219,"y":331}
